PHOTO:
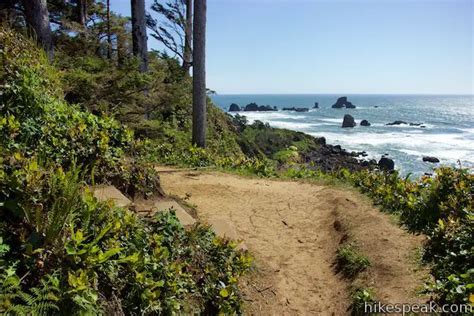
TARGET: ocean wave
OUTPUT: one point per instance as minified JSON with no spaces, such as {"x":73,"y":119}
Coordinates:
{"x":448,"y":121}
{"x":448,"y":147}
{"x":269,"y":117}
{"x":469,"y":130}
{"x":331,"y":120}
{"x":292,"y":125}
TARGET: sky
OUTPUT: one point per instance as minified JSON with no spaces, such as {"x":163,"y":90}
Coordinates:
{"x":337,"y":46}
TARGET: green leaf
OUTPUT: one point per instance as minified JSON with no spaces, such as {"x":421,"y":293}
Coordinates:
{"x":109,"y":253}
{"x":224,"y":292}
{"x":130,"y":259}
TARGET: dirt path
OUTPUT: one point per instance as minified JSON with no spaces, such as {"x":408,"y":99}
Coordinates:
{"x":293,"y":230}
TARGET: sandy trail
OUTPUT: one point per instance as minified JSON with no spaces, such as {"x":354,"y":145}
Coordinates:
{"x":293,"y":231}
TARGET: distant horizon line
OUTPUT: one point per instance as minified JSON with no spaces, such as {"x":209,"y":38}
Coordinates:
{"x":342,"y":94}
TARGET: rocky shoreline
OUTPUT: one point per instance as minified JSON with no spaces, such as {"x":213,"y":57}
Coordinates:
{"x":341,"y":102}
{"x":332,"y":157}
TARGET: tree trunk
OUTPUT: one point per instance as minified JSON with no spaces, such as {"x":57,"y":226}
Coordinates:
{"x":109,"y":33}
{"x":199,"y":73}
{"x":37,"y":18}
{"x":188,"y":37}
{"x":81,"y":7}
{"x":139,"y":37}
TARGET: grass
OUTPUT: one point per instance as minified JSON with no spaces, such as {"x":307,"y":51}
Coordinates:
{"x":350,"y":262}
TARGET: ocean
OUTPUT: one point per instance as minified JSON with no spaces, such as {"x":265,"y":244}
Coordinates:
{"x":448,"y":133}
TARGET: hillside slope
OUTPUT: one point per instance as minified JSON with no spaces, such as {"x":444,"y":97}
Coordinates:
{"x":294,"y":230}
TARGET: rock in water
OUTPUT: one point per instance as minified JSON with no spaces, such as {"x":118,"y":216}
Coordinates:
{"x":266,"y":108}
{"x":251,"y":107}
{"x":397,"y":123}
{"x":348,"y":121}
{"x":386,"y":164}
{"x":234,"y":108}
{"x":301,"y":109}
{"x":364,"y":123}
{"x":316,"y":105}
{"x":349,"y":105}
{"x":263,"y":108}
{"x":296,"y":109}
{"x":430,"y":159}
{"x":342,"y":102}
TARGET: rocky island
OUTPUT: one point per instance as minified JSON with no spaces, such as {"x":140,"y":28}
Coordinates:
{"x":252,"y":107}
{"x":343,"y":103}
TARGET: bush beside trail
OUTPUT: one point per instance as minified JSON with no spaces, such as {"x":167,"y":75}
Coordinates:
{"x":62,"y":251}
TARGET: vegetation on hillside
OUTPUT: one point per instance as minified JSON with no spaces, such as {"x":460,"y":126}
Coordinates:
{"x":63,"y":128}
{"x":442,"y":208}
{"x":62,"y":251}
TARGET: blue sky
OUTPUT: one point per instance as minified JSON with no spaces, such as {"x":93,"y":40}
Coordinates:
{"x":336,"y":46}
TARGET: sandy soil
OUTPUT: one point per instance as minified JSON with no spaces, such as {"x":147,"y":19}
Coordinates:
{"x":293,"y":230}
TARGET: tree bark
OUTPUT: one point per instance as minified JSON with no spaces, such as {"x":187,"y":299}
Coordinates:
{"x":37,"y":18}
{"x":109,"y":33}
{"x":81,"y":7}
{"x":199,"y":73}
{"x":188,"y":37}
{"x":139,"y":37}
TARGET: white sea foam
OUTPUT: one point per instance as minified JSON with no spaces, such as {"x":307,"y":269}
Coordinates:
{"x":292,"y":125}
{"x":268,"y":117}
{"x":467,"y":130}
{"x":331,"y":120}
{"x":448,"y":147}
{"x":448,"y":121}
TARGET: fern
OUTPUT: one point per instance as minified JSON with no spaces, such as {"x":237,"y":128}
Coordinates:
{"x":10,"y":290}
{"x":66,"y":192}
{"x":40,"y":301}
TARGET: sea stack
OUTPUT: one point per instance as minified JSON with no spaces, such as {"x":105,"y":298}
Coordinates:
{"x":251,"y":107}
{"x":265,"y":108}
{"x":348,"y":121}
{"x":342,"y":102}
{"x":234,"y":108}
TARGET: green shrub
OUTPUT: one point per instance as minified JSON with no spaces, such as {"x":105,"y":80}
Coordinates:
{"x":36,"y":122}
{"x":261,"y":140}
{"x":440,"y":206}
{"x":99,"y":252}
{"x":454,"y":289}
{"x":64,"y":252}
{"x":287,"y":156}
{"x":360,"y":297}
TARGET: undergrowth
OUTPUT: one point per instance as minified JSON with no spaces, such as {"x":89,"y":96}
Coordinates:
{"x":349,"y":261}
{"x":64,"y":252}
{"x":439,"y":206}
{"x":361,"y":297}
